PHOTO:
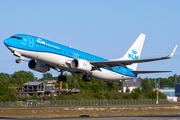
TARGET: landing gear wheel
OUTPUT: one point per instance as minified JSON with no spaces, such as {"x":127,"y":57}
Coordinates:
{"x":86,"y":78}
{"x":62,"y":78}
{"x":18,"y":61}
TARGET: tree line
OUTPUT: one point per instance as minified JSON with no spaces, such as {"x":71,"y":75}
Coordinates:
{"x":95,"y":89}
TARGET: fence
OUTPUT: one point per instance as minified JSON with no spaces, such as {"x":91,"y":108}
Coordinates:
{"x":82,"y":102}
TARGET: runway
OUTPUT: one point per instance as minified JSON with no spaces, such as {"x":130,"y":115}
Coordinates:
{"x":146,"y":117}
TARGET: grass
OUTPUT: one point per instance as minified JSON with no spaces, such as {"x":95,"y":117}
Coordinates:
{"x":92,"y":111}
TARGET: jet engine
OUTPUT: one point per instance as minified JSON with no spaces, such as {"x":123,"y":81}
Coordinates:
{"x":81,"y":65}
{"x":38,"y":66}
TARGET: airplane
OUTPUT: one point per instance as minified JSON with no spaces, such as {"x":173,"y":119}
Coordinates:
{"x":46,"y":55}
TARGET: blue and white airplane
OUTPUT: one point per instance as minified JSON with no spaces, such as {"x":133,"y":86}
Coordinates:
{"x":45,"y":54}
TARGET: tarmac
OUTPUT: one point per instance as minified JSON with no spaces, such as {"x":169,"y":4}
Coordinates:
{"x":146,"y":117}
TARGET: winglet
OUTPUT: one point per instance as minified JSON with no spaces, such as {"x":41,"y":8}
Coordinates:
{"x":172,"y":52}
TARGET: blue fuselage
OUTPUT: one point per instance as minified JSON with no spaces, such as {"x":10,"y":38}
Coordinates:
{"x":35,"y":44}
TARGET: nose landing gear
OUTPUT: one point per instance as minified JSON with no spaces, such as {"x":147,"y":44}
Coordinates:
{"x":18,"y":60}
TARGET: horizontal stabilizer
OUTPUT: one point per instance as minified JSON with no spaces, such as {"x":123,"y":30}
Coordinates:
{"x":147,"y":71}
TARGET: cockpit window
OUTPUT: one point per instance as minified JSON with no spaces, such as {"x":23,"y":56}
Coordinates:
{"x":19,"y":38}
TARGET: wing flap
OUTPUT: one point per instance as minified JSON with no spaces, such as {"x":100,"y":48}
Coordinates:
{"x":147,"y":71}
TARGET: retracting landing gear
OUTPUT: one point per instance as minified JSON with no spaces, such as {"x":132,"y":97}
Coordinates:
{"x":18,"y":60}
{"x":62,"y":77}
{"x":87,"y":77}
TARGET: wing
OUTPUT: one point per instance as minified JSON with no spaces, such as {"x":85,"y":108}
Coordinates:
{"x":145,"y":71}
{"x":123,"y":63}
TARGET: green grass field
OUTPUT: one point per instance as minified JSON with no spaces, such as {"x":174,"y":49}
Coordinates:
{"x":78,"y":111}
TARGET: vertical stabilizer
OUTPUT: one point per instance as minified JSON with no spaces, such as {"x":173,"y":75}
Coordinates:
{"x":134,"y":51}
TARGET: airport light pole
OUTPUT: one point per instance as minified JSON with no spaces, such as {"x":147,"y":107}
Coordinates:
{"x":157,"y":94}
{"x":175,"y":78}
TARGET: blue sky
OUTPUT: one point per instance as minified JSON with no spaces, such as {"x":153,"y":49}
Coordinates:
{"x":106,"y":28}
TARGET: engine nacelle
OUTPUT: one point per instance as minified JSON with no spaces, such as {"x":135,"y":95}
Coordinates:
{"x":38,"y":66}
{"x":81,"y":65}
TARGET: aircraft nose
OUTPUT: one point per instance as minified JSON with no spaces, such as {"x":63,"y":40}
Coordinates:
{"x":6,"y":41}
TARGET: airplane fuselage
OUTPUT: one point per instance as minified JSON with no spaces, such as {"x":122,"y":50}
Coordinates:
{"x":59,"y":56}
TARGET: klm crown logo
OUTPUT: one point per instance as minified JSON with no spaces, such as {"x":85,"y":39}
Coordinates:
{"x":133,"y":55}
{"x":134,"y":52}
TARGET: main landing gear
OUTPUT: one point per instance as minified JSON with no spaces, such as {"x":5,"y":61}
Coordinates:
{"x":62,"y":77}
{"x":87,"y":77}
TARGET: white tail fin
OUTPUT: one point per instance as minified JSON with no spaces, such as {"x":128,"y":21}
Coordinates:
{"x":134,"y":51}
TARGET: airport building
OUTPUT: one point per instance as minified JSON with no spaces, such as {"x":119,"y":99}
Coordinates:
{"x":170,"y":93}
{"x":42,"y":89}
{"x":177,"y":89}
{"x":131,"y":84}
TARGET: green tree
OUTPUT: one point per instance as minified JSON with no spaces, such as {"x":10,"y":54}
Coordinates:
{"x":5,"y":74}
{"x":107,"y":95}
{"x":35,"y":97}
{"x":110,"y":85}
{"x":119,"y":85}
{"x":146,"y":86}
{"x":127,"y":96}
{"x":95,"y":87}
{"x":69,"y":93}
{"x":136,"y":93}
{"x":12,"y":93}
{"x":83,"y":86}
{"x":160,"y":95}
{"x":99,"y":95}
{"x":21,"y":77}
{"x":47,"y":76}
{"x":4,"y":82}
{"x":127,"y":89}
{"x":102,"y":84}
{"x":5,"y":98}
